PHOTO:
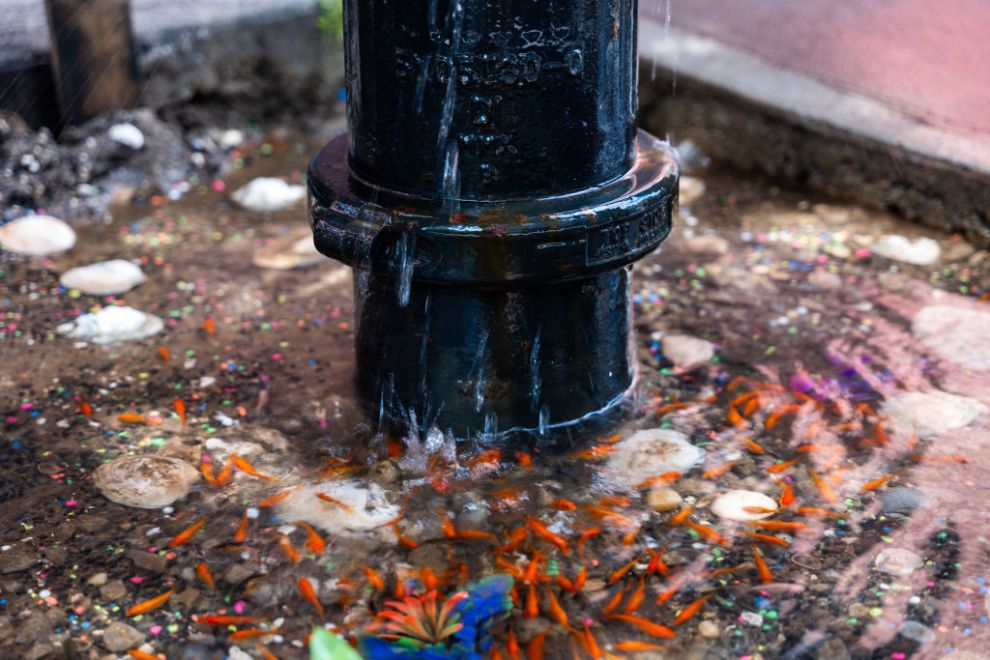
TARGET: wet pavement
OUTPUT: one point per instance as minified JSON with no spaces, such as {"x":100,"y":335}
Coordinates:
{"x":780,"y":354}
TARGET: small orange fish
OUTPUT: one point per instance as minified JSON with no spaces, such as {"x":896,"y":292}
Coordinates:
{"x":671,"y":407}
{"x":581,"y":578}
{"x":286,"y":545}
{"x":511,"y":645}
{"x":734,"y":418}
{"x":449,"y":531}
{"x":591,"y":644}
{"x":336,"y":502}
{"x":766,"y":538}
{"x":752,"y":406}
{"x":815,"y":511}
{"x":186,"y":534}
{"x":593,"y":453}
{"x":876,"y":483}
{"x":566,"y":584}
{"x":541,"y":530}
{"x":251,"y":633}
{"x":534,"y":651}
{"x":620,"y":572}
{"x":761,"y":567}
{"x":224,"y":477}
{"x":141,"y":655}
{"x":736,"y":382}
{"x":660,"y":480}
{"x":276,"y":498}
{"x":637,"y":597}
{"x":778,"y":525}
{"x":476,"y":535}
{"x":132,"y":418}
{"x":630,"y":538}
{"x":206,"y":469}
{"x":532,"y":609}
{"x":306,"y":591}
{"x":210,"y":326}
{"x":491,"y":458}
{"x":823,"y":488}
{"x":634,"y":646}
{"x":780,"y":467}
{"x":203,"y":571}
{"x":648,"y":627}
{"x":556,"y":612}
{"x":613,"y":602}
{"x":377,"y":583}
{"x":774,"y":417}
{"x":515,"y":538}
{"x":682,"y":515}
{"x":164,"y":354}
{"x":244,"y":466}
{"x":880,"y":434}
{"x":708,"y":533}
{"x":691,"y":610}
{"x":525,"y":460}
{"x":718,"y":470}
{"x":612,"y":439}
{"x":240,"y":534}
{"x":564,"y":505}
{"x":669,"y":593}
{"x":753,"y":446}
{"x":314,"y":541}
{"x":532,"y":570}
{"x":657,"y":564}
{"x":180,"y":410}
{"x":224,"y":620}
{"x":151,"y":604}
{"x":265,"y":653}
{"x":787,"y":497}
{"x":85,"y":408}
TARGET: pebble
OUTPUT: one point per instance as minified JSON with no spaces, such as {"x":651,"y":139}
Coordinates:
{"x":147,"y":560}
{"x":268,"y":194}
{"x":824,"y":279}
{"x":104,"y":278}
{"x":145,"y":482}
{"x":708,"y":629}
{"x":37,"y":236}
{"x":733,"y":505}
{"x":919,"y":252}
{"x":112,"y":591}
{"x":752,"y":618}
{"x":958,"y":334}
{"x":931,"y":413}
{"x":708,"y":244}
{"x":690,"y":190}
{"x":113,"y":324}
{"x":238,"y":573}
{"x":663,"y":499}
{"x":126,"y":134}
{"x":119,"y":637}
{"x":686,"y":351}
{"x":369,"y":504}
{"x":295,"y":251}
{"x":97,"y":579}
{"x":917,"y":632}
{"x":14,"y":561}
{"x":649,"y":453}
{"x":898,"y":562}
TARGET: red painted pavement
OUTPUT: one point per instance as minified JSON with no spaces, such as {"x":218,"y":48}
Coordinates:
{"x":928,"y":58}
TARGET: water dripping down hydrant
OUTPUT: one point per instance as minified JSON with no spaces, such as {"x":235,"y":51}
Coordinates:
{"x":492,"y":194}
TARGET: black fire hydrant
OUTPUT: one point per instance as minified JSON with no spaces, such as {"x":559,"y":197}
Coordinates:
{"x":491,"y":195}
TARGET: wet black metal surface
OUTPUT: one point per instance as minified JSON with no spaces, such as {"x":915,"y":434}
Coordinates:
{"x":491,"y":194}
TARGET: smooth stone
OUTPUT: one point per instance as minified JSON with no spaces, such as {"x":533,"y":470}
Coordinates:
{"x":113,"y":324}
{"x":295,"y":251}
{"x":708,"y":629}
{"x":119,"y":637}
{"x":145,"y":482}
{"x":733,"y":505}
{"x":369,"y":506}
{"x":898,"y":562}
{"x":690,"y":190}
{"x":147,"y":560}
{"x":958,"y":334}
{"x":267,"y":194}
{"x":37,"y":236}
{"x":902,"y":499}
{"x":931,"y":413}
{"x":649,"y":453}
{"x":113,"y":590}
{"x":919,"y":252}
{"x":917,"y":632}
{"x":97,"y":579}
{"x":686,"y":351}
{"x":126,"y":134}
{"x":14,"y":561}
{"x":238,"y":573}
{"x":663,"y":499}
{"x":707,"y":244}
{"x":104,"y":278}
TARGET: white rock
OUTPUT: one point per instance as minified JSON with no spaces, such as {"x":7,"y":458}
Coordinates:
{"x":898,"y":562}
{"x":368,"y":504}
{"x":113,"y":324}
{"x":931,"y":413}
{"x":663,"y":499}
{"x":690,"y":190}
{"x":145,"y":482}
{"x":958,"y":334}
{"x":104,"y":278}
{"x":268,"y":194}
{"x":743,"y":505}
{"x":37,"y":236}
{"x":126,"y":134}
{"x":649,"y":453}
{"x":686,"y":351}
{"x":292,"y":252}
{"x":920,"y":252}
{"x":231,"y":138}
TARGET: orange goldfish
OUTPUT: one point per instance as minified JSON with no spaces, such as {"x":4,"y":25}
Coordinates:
{"x":186,"y":534}
{"x":306,"y":591}
{"x":151,"y":604}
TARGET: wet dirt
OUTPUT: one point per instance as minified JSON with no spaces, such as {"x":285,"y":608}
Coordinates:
{"x":811,"y":339}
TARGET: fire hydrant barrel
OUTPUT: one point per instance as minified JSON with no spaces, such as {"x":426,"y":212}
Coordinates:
{"x":491,"y":194}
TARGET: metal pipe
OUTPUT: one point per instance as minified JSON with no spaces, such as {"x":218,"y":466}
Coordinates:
{"x":491,"y":194}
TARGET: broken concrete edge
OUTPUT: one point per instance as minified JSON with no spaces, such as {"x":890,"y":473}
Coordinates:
{"x":750,"y":114}
{"x":276,"y":55}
